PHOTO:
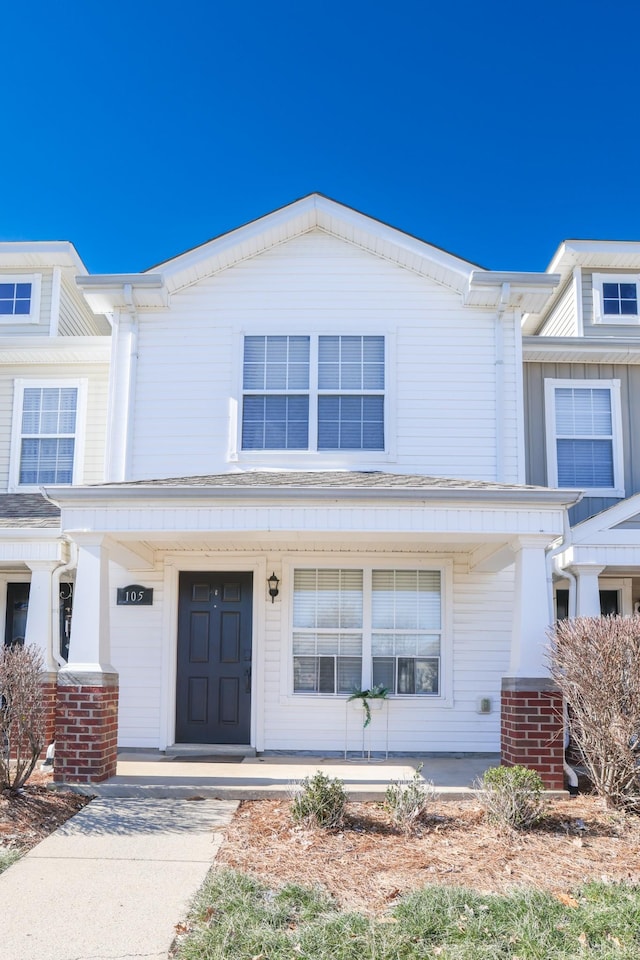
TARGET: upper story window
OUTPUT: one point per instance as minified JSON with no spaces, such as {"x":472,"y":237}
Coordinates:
{"x":46,"y":436}
{"x":313,"y":393}
{"x":19,"y":299}
{"x":584,"y":435}
{"x":615,"y":298}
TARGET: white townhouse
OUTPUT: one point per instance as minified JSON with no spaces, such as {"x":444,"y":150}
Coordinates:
{"x":582,"y":395}
{"x":54,"y":370}
{"x":315,"y":483}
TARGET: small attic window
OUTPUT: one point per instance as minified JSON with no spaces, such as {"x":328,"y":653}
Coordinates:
{"x":615,"y":298}
{"x":19,"y":299}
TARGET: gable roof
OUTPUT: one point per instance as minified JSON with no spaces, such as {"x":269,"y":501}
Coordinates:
{"x":152,"y":288}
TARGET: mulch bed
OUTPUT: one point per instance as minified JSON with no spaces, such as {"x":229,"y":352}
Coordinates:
{"x":367,"y":864}
{"x":28,"y":817}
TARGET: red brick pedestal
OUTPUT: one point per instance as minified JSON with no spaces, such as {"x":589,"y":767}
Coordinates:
{"x":532,"y":728}
{"x":86,"y":727}
{"x":49,"y":686}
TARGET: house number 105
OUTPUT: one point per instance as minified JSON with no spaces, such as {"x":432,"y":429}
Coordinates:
{"x":135,"y":596}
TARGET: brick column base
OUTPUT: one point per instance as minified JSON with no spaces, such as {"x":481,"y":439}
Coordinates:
{"x":49,"y":687}
{"x":532,"y":732}
{"x":86,"y":727}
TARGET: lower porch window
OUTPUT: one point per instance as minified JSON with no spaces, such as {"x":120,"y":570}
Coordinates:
{"x":357,"y":628}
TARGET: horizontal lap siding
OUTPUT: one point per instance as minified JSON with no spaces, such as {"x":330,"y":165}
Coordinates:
{"x":562,"y":321}
{"x":136,"y":648}
{"x":441,"y":385}
{"x":76,"y":319}
{"x":98,"y":384}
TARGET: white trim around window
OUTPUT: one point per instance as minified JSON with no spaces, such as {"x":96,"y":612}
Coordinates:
{"x":367,"y":566}
{"x":616,"y":298}
{"x":22,"y":304}
{"x":583,"y":422}
{"x":59,"y":433}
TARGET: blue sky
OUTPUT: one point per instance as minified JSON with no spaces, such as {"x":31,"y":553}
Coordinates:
{"x":495,"y":130}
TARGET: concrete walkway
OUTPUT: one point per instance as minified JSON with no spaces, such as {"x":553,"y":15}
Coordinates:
{"x":112,"y":882}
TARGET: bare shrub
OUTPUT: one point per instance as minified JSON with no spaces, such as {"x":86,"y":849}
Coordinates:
{"x":512,"y":796}
{"x":595,"y":662}
{"x":407,"y":800}
{"x":22,"y":719}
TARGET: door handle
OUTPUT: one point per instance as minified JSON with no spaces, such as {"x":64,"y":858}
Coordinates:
{"x":247,"y":681}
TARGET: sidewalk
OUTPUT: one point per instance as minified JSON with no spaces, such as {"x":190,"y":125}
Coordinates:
{"x":112,"y":882}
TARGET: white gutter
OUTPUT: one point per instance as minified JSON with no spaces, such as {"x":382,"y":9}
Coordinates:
{"x":499,"y":364}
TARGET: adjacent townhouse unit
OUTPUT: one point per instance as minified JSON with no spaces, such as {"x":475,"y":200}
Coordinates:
{"x":315,"y":482}
{"x":54,"y":369}
{"x":582,"y":402}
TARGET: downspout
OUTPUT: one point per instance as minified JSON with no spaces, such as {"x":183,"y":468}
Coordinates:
{"x":133,"y":362}
{"x":71,"y":564}
{"x":502,"y":306}
{"x":553,"y":566}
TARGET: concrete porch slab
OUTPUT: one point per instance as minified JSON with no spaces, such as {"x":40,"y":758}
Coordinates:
{"x":150,"y":774}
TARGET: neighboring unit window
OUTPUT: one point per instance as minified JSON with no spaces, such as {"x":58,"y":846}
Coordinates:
{"x":327,"y":631}
{"x":351,"y":393}
{"x":297,"y":389}
{"x":15,"y":299}
{"x":615,"y":298}
{"x":275,"y":410}
{"x":406,"y":628}
{"x":584,"y":440}
{"x":619,"y":299}
{"x":47,"y":437}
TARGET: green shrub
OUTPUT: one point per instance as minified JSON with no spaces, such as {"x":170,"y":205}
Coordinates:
{"x":406,"y":800}
{"x":319,"y":800}
{"x":512,"y":796}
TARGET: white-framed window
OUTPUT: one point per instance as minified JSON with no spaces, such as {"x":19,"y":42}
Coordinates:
{"x":324,"y":393}
{"x":48,"y":433}
{"x":20,"y":298}
{"x":584,"y":435}
{"x":357,"y":627}
{"x":615,"y":297}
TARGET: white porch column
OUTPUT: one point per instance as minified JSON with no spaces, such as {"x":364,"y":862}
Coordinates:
{"x":529,"y":639}
{"x":587,"y":588}
{"x":90,"y":643}
{"x":39,"y":629}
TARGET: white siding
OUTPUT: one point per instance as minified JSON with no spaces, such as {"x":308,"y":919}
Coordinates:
{"x":136,"y":650}
{"x":441,"y":382}
{"x":480,"y":616}
{"x":76,"y":319}
{"x":562,"y":320}
{"x":97,"y":376}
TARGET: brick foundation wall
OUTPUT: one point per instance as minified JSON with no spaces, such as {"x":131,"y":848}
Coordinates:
{"x":532,"y":728}
{"x":86,"y":728}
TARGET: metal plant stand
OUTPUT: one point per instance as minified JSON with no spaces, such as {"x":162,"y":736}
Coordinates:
{"x":355,"y":706}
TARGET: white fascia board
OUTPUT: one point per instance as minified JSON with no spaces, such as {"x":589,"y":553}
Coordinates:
{"x":55,"y":350}
{"x":311,"y":212}
{"x":596,"y":349}
{"x":120,"y":291}
{"x":604,"y":521}
{"x":82,"y":496}
{"x":529,"y":292}
{"x":41,"y":253}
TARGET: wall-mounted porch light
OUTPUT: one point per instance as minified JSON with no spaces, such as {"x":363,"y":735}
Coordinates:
{"x":273,"y":587}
